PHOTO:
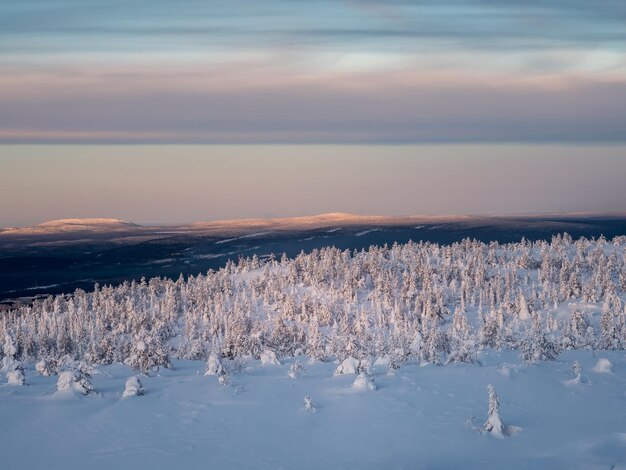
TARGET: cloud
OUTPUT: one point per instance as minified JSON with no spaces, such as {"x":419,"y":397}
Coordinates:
{"x":192,"y":105}
{"x":315,"y":71}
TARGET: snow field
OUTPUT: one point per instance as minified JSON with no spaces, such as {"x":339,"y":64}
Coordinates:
{"x":415,"y":418}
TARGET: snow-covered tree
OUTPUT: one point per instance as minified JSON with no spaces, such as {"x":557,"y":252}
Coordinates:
{"x":538,"y":346}
{"x":76,"y":381}
{"x":133,"y":387}
{"x":214,"y":365}
{"x":148,"y":353}
{"x":309,"y":405}
{"x":493,"y":425}
{"x":296,"y":370}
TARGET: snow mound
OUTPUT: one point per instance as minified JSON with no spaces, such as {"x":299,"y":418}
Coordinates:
{"x":15,"y":377}
{"x":268,"y":357}
{"x":74,"y":381}
{"x":603,"y":366}
{"x":363,"y":382}
{"x":348,"y":366}
{"x":133,"y":387}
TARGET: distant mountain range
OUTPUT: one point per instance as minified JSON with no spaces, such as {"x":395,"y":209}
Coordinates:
{"x":62,"y":255}
{"x":332,"y":219}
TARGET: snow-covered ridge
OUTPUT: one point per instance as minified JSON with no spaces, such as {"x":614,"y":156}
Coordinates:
{"x":234,"y":226}
{"x":73,"y":225}
{"x":331,"y":220}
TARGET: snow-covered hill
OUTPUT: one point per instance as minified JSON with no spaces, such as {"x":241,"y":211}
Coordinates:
{"x":73,"y":225}
{"x":399,"y":344}
{"x":333,"y":219}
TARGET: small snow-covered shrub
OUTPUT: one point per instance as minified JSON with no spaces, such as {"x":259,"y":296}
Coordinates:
{"x":349,"y":365}
{"x":268,"y":357}
{"x":296,"y":370}
{"x":74,"y":381}
{"x":214,"y":365}
{"x":15,"y":377}
{"x":309,"y":405}
{"x":133,"y":387}
{"x":224,"y":380}
{"x":576,"y":375}
{"x":363,"y":382}
{"x":47,"y":367}
{"x":603,"y":366}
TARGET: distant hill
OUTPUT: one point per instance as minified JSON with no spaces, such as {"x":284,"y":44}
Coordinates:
{"x":73,"y":225}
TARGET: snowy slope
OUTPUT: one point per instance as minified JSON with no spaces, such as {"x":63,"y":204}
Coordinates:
{"x":415,"y":419}
{"x":440,"y":323}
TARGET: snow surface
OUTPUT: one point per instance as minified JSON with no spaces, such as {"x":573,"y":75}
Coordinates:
{"x":415,"y":419}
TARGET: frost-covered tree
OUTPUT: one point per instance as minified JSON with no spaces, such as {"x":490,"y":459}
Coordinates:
{"x":214,"y":365}
{"x":47,"y":367}
{"x":148,"y":353}
{"x":389,"y":302}
{"x":462,"y":343}
{"x":133,"y":387}
{"x":16,"y":376}
{"x":296,"y":370}
{"x":9,"y":349}
{"x":76,"y":381}
{"x":309,"y":405}
{"x":493,"y":425}
{"x":538,"y":346}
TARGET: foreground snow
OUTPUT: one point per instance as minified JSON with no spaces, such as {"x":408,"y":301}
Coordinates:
{"x":416,"y":417}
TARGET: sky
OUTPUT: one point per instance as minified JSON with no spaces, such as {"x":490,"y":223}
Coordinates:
{"x":152,"y":184}
{"x":168,"y":111}
{"x":316,"y":71}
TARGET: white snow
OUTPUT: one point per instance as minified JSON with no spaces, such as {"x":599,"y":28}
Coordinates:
{"x":415,"y":419}
{"x":365,"y":232}
{"x":603,"y":366}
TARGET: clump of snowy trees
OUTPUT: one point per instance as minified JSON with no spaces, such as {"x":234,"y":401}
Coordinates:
{"x":416,"y":301}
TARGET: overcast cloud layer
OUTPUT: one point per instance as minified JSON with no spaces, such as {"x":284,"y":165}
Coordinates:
{"x":315,"y":72}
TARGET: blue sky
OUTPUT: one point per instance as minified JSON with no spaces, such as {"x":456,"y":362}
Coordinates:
{"x":312,"y":71}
